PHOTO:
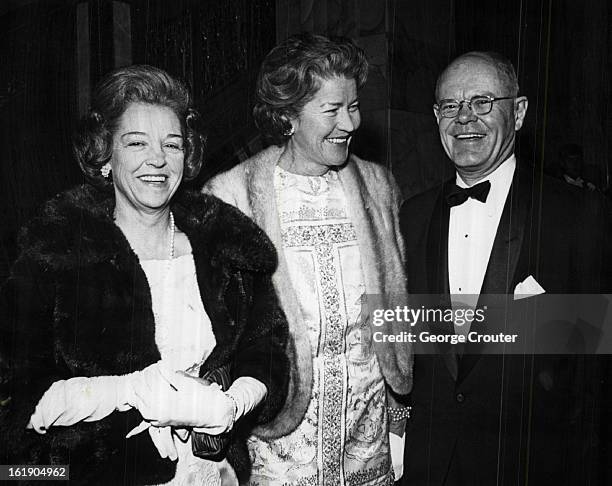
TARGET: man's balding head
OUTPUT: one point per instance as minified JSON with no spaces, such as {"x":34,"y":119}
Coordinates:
{"x":478,"y":132}
{"x":505,"y":69}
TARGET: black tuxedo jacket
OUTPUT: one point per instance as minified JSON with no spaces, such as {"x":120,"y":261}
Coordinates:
{"x":510,"y":420}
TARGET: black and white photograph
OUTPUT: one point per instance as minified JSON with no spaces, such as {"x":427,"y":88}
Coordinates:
{"x":306,"y":242}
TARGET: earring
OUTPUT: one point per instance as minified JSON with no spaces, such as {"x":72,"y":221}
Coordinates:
{"x":290,"y":132}
{"x":105,"y":170}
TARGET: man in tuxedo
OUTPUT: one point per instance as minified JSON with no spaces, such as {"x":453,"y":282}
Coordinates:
{"x":500,"y":227}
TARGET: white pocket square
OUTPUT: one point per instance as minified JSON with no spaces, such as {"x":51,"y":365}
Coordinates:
{"x":528,"y":288}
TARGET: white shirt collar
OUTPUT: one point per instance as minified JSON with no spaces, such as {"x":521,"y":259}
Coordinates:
{"x":471,"y":233}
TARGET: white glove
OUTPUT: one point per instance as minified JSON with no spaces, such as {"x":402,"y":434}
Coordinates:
{"x":164,"y":442}
{"x":67,"y":402}
{"x":396,"y":444}
{"x":177,"y":399}
{"x":247,"y":393}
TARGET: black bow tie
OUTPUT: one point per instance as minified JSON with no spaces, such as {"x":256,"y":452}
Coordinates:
{"x":458,"y":195}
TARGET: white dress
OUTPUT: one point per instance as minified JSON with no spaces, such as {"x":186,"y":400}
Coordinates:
{"x":184,"y":337}
{"x":343,"y":439}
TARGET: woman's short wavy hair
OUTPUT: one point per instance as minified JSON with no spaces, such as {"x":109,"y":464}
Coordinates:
{"x":93,"y":141}
{"x":291,"y":75}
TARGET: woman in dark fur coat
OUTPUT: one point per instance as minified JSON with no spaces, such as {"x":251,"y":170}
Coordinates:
{"x":124,"y":294}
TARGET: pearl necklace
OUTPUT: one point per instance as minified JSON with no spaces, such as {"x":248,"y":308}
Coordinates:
{"x":161,"y":331}
{"x":167,"y":270}
{"x":172,"y":234}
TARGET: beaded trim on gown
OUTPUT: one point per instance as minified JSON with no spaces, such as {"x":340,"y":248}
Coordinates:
{"x":343,"y":438}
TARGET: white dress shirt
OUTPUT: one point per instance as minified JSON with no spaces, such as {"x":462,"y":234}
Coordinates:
{"x":471,"y":232}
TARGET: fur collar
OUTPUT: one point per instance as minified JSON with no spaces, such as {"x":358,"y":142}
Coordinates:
{"x":372,"y":201}
{"x":76,"y":228}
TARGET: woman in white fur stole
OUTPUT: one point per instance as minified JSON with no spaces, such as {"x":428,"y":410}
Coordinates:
{"x":334,"y":221}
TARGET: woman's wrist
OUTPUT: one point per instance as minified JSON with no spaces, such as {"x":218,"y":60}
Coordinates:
{"x":234,"y":408}
{"x":247,"y":392}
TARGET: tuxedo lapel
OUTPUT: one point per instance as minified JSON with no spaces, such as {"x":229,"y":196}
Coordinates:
{"x":437,"y":273}
{"x":437,"y":250}
{"x":509,"y":238}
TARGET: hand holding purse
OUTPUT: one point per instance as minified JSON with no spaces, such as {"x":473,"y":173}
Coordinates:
{"x":180,"y":400}
{"x":209,"y":446}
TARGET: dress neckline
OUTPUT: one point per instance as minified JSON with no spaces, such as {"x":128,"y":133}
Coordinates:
{"x":331,"y":173}
{"x":154,"y":260}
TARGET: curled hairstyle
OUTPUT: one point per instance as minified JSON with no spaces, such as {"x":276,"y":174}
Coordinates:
{"x":291,"y":75}
{"x":503,"y":66}
{"x":93,"y":140}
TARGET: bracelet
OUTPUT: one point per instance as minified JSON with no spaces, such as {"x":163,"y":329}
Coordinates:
{"x":234,"y":410}
{"x":399,"y":414}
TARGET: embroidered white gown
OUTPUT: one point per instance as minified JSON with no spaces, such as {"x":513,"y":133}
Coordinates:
{"x":343,"y":439}
{"x":184,"y":337}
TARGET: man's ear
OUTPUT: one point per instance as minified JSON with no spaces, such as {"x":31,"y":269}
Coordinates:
{"x":436,"y":113}
{"x":520,"y":110}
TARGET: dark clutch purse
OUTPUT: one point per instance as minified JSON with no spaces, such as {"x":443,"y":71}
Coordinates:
{"x":209,"y":446}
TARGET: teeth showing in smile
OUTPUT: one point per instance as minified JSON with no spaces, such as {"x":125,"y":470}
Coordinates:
{"x":469,"y":136}
{"x":336,"y":140}
{"x":152,"y":178}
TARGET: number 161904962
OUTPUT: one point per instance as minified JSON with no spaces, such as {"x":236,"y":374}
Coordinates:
{"x":29,"y":472}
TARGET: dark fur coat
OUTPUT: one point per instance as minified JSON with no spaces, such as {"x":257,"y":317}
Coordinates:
{"x":78,"y":303}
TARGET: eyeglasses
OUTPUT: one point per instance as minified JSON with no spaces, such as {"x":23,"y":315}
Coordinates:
{"x":480,"y":105}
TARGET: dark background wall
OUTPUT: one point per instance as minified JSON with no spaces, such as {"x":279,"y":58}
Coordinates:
{"x":53,"y":51}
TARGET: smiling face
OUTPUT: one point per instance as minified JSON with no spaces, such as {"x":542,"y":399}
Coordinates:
{"x":478,"y":144}
{"x":147,"y":160}
{"x":324,"y":128}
